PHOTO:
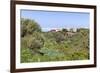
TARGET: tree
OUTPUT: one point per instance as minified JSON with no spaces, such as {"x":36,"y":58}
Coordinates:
{"x":85,"y":37}
{"x":64,"y":30}
{"x":29,"y":26}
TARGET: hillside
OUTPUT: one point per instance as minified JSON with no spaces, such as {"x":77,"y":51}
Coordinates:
{"x":63,"y":45}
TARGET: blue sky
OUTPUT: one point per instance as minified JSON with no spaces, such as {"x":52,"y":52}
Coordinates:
{"x":52,"y":19}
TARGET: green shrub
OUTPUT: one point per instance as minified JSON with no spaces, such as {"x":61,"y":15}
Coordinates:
{"x":25,"y":55}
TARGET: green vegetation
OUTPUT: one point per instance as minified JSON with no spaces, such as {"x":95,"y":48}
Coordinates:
{"x":64,"y":45}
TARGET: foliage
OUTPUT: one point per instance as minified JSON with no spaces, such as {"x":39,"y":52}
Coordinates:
{"x":64,"y":45}
{"x":35,"y":41}
{"x":64,"y":30}
{"x":28,"y":27}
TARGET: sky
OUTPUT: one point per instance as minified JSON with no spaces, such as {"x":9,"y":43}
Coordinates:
{"x":57,"y":19}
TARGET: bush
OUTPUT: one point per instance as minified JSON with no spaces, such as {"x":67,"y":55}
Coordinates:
{"x":36,"y":41}
{"x":25,"y":55}
{"x":59,"y":37}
